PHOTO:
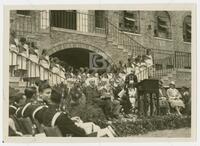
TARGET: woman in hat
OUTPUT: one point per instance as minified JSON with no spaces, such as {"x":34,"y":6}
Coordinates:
{"x":175,"y":98}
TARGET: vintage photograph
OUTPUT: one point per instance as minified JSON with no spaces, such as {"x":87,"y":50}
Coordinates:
{"x":99,"y":73}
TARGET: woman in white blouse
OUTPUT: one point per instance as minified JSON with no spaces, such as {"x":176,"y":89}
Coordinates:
{"x":175,"y":98}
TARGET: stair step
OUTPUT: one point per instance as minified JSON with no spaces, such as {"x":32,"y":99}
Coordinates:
{"x":14,"y":79}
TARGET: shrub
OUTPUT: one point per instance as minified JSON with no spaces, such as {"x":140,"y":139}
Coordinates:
{"x":145,"y":125}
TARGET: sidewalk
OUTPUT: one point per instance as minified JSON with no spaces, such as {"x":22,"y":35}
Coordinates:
{"x":182,"y":132}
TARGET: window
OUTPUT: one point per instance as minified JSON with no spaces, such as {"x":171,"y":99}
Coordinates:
{"x":162,"y":25}
{"x":100,"y":19}
{"x":64,"y":19}
{"x":130,"y":21}
{"x":23,"y":12}
{"x":187,"y":29}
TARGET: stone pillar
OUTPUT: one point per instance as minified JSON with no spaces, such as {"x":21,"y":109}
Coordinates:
{"x":82,"y":20}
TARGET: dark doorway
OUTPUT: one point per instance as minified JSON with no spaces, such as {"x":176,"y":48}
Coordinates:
{"x":78,"y":57}
{"x":75,"y":57}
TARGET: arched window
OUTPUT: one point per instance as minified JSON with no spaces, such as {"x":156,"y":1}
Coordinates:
{"x":187,"y":29}
{"x":130,"y":21}
{"x":162,"y":26}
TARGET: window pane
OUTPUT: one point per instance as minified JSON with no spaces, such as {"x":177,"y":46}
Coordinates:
{"x":163,"y":25}
{"x":100,"y":19}
{"x":187,"y":29}
{"x":130,"y":21}
{"x":63,"y":19}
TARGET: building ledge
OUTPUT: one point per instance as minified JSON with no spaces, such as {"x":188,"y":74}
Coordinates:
{"x":187,"y":43}
{"x":77,"y":32}
{"x":130,"y":33}
{"x":163,"y":39}
{"x":25,"y":16}
{"x":183,"y":70}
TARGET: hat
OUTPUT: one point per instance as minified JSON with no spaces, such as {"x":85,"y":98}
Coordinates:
{"x":172,"y":83}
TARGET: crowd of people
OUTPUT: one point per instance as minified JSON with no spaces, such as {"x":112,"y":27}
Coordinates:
{"x":86,"y":95}
{"x":26,"y":57}
{"x":106,"y":96}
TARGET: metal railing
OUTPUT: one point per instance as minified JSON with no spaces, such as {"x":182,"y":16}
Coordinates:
{"x":81,"y":21}
{"x":165,"y":63}
{"x":42,"y":21}
{"x":124,"y":40}
{"x":36,"y":22}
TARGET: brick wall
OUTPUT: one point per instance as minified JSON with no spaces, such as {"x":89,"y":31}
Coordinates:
{"x":146,"y":37}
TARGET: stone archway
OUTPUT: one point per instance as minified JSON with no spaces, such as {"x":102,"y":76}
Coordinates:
{"x":81,"y":55}
{"x":68,"y":45}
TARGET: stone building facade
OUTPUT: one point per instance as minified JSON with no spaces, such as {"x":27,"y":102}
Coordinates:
{"x":115,"y":35}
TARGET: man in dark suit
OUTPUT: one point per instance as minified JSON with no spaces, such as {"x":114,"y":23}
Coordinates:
{"x":52,"y":116}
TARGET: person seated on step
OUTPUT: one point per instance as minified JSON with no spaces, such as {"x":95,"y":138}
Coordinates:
{"x":175,"y":98}
{"x":44,"y":59}
{"x":33,"y":52}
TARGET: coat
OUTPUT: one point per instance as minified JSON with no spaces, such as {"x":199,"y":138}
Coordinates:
{"x":63,"y":122}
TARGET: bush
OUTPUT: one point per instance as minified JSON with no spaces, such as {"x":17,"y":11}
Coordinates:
{"x":145,"y":125}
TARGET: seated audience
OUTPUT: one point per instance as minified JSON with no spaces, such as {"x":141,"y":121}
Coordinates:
{"x":175,"y":98}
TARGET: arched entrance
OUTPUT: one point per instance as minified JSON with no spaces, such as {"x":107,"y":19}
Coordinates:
{"x":82,"y":55}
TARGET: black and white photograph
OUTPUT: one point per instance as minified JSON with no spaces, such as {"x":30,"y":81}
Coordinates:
{"x":99,"y":73}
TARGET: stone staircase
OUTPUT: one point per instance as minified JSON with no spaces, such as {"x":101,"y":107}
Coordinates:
{"x":128,"y":46}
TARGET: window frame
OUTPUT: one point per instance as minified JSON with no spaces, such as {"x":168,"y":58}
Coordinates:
{"x":135,"y":19}
{"x":162,"y":20}
{"x":185,"y":38}
{"x":101,"y":25}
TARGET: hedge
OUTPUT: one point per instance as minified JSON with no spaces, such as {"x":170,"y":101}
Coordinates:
{"x":144,"y":125}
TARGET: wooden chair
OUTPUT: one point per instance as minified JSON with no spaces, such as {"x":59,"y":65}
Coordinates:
{"x":52,"y":131}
